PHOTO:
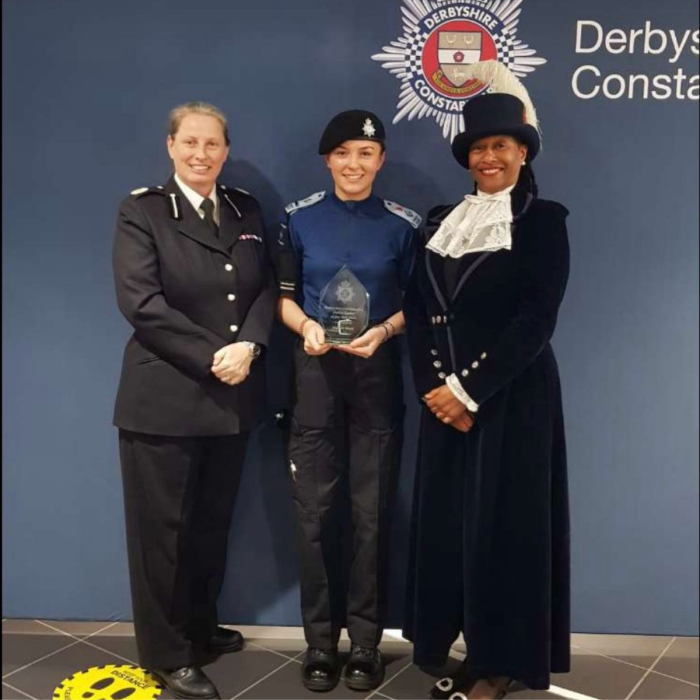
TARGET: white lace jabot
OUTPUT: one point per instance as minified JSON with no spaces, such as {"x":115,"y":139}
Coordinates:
{"x":481,"y":223}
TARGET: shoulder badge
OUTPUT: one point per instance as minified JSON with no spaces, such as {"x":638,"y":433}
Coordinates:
{"x":304,"y":203}
{"x":147,"y":190}
{"x":404,"y":213}
{"x":238,"y":189}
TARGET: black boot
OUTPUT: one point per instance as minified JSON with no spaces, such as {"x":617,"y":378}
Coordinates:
{"x":321,"y":670}
{"x":365,"y":669}
{"x":188,"y":682}
{"x":225,"y":641}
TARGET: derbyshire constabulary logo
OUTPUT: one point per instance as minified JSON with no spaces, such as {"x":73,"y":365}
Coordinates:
{"x":441,"y":38}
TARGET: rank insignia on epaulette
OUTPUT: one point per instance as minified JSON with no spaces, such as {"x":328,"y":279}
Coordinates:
{"x":304,"y":203}
{"x":233,"y":206}
{"x":408,"y":214}
{"x":139,"y":191}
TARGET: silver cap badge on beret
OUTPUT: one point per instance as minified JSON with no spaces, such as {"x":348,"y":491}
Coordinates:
{"x":368,"y":129}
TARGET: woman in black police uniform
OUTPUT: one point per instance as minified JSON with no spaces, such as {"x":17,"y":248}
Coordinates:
{"x":348,"y":405}
{"x":193,"y":279}
{"x":490,"y":537}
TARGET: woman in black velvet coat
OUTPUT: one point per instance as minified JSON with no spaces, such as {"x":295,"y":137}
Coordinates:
{"x":490,"y":534}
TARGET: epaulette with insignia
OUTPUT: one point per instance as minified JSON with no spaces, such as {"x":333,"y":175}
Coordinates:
{"x":414,"y":219}
{"x":304,"y":203}
{"x":147,"y":190}
{"x":235,"y":189}
{"x":231,"y":203}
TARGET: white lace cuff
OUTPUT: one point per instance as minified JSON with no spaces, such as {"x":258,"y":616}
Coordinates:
{"x":455,"y":386}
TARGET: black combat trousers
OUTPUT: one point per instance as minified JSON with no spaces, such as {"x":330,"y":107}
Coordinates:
{"x":179,"y":494}
{"x":346,"y":431}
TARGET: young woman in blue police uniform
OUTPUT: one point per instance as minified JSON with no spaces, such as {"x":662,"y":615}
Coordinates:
{"x":490,"y":536}
{"x":193,"y":279}
{"x":348,"y":405}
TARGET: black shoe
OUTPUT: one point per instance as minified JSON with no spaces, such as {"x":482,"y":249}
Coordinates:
{"x":458,"y":682}
{"x":188,"y":682}
{"x":365,"y":669}
{"x":321,"y":670}
{"x":225,"y":641}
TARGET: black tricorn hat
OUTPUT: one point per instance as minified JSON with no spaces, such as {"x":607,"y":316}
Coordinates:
{"x":495,"y":114}
{"x":354,"y":125}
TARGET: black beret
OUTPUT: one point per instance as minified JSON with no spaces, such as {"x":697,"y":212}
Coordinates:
{"x":355,"y":125}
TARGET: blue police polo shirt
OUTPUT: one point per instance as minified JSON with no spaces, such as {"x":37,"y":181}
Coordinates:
{"x":373,"y":238}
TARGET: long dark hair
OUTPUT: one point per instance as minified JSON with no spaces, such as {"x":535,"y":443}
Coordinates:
{"x":527,"y":181}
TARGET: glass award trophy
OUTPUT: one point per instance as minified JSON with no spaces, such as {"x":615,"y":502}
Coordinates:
{"x":344,"y":308}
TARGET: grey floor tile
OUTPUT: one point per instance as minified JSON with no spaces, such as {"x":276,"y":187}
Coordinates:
{"x":125,"y":646}
{"x":599,"y":677}
{"x":41,"y":679}
{"x":657,"y":687}
{"x":77,"y":629}
{"x":120,"y":629}
{"x":639,"y":650}
{"x":286,"y":683}
{"x":233,"y":673}
{"x":681,"y":660}
{"x":413,"y":682}
{"x":9,"y":693}
{"x":532,"y":695}
{"x":20,"y":649}
{"x":26,"y":627}
{"x":288,"y":647}
{"x":122,"y":646}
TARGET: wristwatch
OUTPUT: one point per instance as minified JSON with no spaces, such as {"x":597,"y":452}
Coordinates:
{"x":254,"y":349}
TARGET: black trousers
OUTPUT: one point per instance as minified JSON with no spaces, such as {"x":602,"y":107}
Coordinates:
{"x":179,"y":494}
{"x":346,"y":430}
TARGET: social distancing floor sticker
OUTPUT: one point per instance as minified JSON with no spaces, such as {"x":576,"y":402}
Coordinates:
{"x":109,"y":683}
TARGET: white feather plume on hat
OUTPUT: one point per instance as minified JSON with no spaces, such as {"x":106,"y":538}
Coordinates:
{"x":500,"y":79}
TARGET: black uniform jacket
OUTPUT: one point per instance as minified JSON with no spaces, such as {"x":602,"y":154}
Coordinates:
{"x":187,"y":294}
{"x":501,"y":313}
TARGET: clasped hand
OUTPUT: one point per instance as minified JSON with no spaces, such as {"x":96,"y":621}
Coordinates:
{"x":449,"y":409}
{"x":232,"y":363}
{"x":364,"y":346}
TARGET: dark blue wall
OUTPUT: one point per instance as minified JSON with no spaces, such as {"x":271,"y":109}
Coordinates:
{"x":86,"y":89}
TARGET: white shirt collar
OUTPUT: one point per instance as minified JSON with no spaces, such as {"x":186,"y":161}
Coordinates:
{"x":196,"y":199}
{"x":481,"y":223}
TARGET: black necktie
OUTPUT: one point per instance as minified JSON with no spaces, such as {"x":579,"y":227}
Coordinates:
{"x":207,"y":206}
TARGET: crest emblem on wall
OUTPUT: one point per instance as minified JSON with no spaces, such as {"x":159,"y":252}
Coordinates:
{"x":441,"y":38}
